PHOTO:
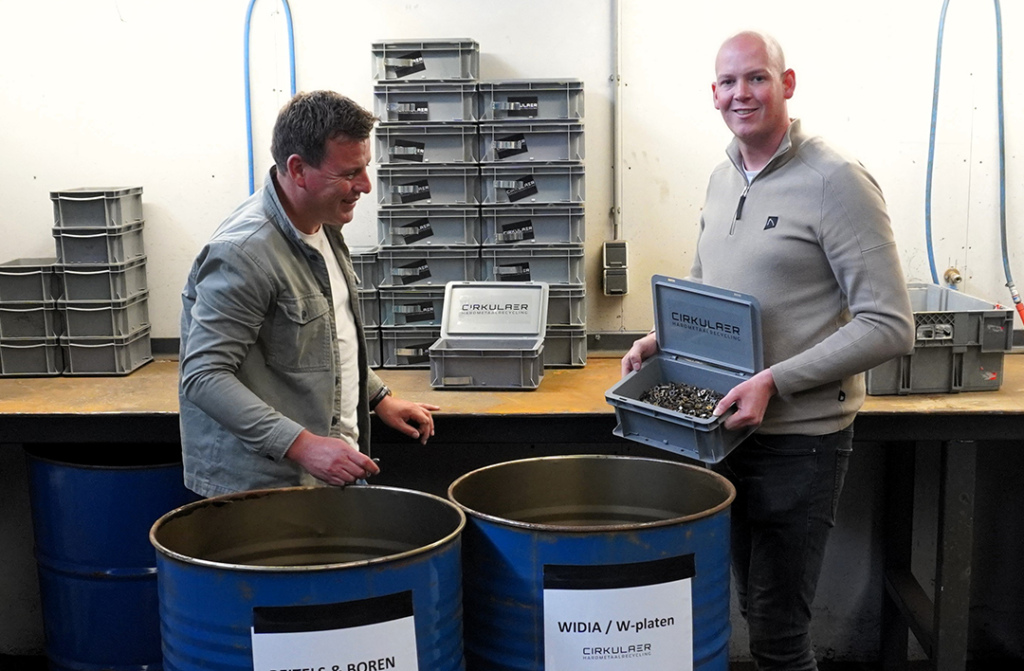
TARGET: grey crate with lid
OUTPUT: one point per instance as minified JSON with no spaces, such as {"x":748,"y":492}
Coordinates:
{"x":30,"y":320}
{"x":103,"y":282}
{"x":107,"y":355}
{"x":434,"y":185}
{"x":369,"y":307}
{"x":366,"y":266}
{"x":422,"y":103}
{"x":428,"y":226}
{"x":117,"y":244}
{"x":529,"y":184}
{"x":455,"y":59}
{"x":567,"y":305}
{"x":528,"y":225}
{"x":31,"y":357}
{"x":29,"y":280}
{"x":707,"y":337}
{"x":426,"y":144}
{"x":554,"y":264}
{"x":119,"y":318}
{"x":531,"y":100}
{"x":492,"y":336}
{"x":412,"y":306}
{"x":959,"y":345}
{"x":97,"y":207}
{"x":408,"y":266}
{"x":538,"y":142}
{"x":373,"y":353}
{"x":565,"y":347}
{"x":407,"y":347}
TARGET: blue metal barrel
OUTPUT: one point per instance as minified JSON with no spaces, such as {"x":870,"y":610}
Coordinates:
{"x":647,"y":539}
{"x":238,"y":570}
{"x":92,"y":507}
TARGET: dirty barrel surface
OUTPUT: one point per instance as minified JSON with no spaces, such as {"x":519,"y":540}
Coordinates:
{"x":360,"y":577}
{"x":595,"y":562}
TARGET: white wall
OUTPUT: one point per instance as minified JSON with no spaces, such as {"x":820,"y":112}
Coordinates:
{"x":137,"y":92}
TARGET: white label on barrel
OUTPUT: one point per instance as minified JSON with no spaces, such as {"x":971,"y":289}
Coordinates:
{"x":625,"y":616}
{"x":366,"y":635}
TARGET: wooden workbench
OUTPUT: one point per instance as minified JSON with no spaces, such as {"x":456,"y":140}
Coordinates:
{"x":568,"y":413}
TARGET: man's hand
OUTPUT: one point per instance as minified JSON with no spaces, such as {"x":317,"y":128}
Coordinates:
{"x":750,"y":398}
{"x":412,"y":419}
{"x":641,"y":349}
{"x":330,"y":459}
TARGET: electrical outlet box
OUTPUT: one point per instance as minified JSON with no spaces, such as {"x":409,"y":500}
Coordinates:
{"x":616,"y":282}
{"x":616,"y":254}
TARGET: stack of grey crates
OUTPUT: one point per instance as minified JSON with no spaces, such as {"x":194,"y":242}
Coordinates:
{"x":532,"y":195}
{"x":101,"y":268}
{"x":30,"y":325}
{"x":428,"y":195}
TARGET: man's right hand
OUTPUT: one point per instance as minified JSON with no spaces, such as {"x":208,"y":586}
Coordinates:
{"x":331,"y":460}
{"x":641,"y":349}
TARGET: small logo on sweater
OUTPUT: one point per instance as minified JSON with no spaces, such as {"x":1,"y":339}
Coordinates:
{"x":772,"y":222}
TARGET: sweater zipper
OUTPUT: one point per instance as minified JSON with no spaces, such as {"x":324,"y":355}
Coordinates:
{"x":739,"y":209}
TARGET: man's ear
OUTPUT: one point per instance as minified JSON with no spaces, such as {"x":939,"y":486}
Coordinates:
{"x":296,"y":169}
{"x":788,"y":83}
{"x":714,"y":98}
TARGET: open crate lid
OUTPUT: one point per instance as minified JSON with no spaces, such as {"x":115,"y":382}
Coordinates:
{"x":708,"y":324}
{"x":494,"y":309}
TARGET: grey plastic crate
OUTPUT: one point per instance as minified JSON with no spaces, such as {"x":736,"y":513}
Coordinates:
{"x":119,"y":318}
{"x":105,"y":355}
{"x":438,"y":60}
{"x":93,"y":207}
{"x":369,"y":307}
{"x":407,"y":347}
{"x":435,"y":185}
{"x":541,"y":224}
{"x":419,"y":103}
{"x":959,"y":345}
{"x":551,"y":142}
{"x":31,"y":357}
{"x":103,"y":282}
{"x":491,"y":336}
{"x":413,"y":144}
{"x":421,"y":227}
{"x":373,"y":353}
{"x":118,"y":244}
{"x":528,"y":184}
{"x":554,"y":264}
{"x":707,"y":337}
{"x":565,"y":347}
{"x":404,"y":266}
{"x":531,"y":99}
{"x":29,"y":320}
{"x":567,"y":305}
{"x":29,"y":280}
{"x":366,"y":266}
{"x":413,"y":306}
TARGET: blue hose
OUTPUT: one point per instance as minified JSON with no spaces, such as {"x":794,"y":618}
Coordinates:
{"x":248,"y":94}
{"x":1002,"y":150}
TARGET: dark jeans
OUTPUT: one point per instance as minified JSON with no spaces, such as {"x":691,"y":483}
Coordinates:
{"x":787,"y":490}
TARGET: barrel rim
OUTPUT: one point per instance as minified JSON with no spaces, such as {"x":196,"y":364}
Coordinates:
{"x":259,"y":493}
{"x":730,"y":490}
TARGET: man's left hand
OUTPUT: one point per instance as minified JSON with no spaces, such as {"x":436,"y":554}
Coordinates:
{"x":750,"y":398}
{"x":412,"y":419}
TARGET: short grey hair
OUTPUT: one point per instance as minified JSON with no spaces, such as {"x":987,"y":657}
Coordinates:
{"x":309,"y":120}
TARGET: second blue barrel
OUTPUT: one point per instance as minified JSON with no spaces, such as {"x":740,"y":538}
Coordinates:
{"x":353,"y":578}
{"x":600,"y":562}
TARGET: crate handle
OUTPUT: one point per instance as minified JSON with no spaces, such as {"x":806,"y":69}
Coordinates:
{"x":13,"y":346}
{"x":29,"y":272}
{"x":508,"y":144}
{"x":103,"y":271}
{"x":81,"y":309}
{"x":398,"y":150}
{"x":935,"y":332}
{"x":457,"y":381}
{"x":409,"y":351}
{"x":81,"y":199}
{"x":10,"y":309}
{"x":402,"y":62}
{"x":409,"y":188}
{"x":82,"y":236}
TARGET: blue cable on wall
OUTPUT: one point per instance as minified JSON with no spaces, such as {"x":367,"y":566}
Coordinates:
{"x":248,"y":94}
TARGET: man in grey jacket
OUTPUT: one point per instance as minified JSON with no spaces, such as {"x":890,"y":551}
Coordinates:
{"x":805,"y":230}
{"x":274,"y":386}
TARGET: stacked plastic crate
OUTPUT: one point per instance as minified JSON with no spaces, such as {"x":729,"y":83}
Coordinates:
{"x":428,"y":176}
{"x":364,"y":262}
{"x":30,"y":325}
{"x":101,"y":264}
{"x":532,"y":181}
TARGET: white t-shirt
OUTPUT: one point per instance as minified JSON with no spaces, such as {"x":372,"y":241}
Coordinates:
{"x":348,"y":345}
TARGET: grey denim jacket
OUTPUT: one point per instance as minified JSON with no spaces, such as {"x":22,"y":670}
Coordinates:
{"x":258,"y":359}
